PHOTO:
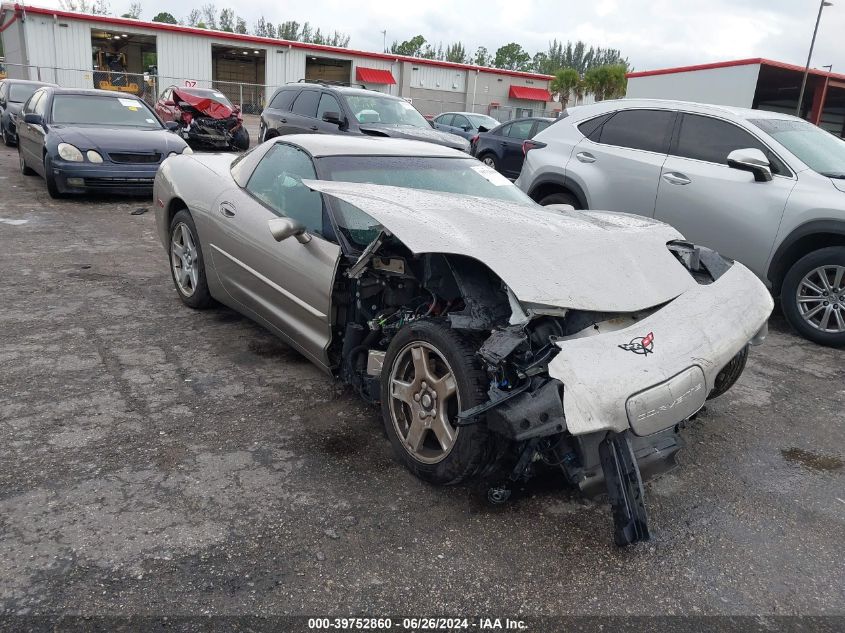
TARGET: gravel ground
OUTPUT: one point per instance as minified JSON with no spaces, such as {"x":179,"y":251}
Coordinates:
{"x":158,"y":460}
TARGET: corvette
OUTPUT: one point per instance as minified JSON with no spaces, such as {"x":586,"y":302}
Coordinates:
{"x":495,"y":334}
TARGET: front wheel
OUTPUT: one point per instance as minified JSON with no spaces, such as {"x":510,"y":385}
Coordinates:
{"x":50,"y":179}
{"x":240,"y":140}
{"x":25,"y":170}
{"x":489,"y":160}
{"x":560,"y":198}
{"x":187,"y":265}
{"x":430,"y":374}
{"x":7,"y":138}
{"x":813,"y":296}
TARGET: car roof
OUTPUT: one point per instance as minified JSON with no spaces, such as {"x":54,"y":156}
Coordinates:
{"x":477,"y":113}
{"x":95,"y":93}
{"x":689,"y":106}
{"x":319,"y":145}
{"x":347,"y":90}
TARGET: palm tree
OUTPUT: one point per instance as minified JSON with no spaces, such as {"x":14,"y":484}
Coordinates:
{"x":607,"y":82}
{"x":564,"y":83}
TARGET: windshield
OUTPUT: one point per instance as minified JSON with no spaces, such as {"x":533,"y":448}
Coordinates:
{"x":482,"y":120}
{"x":18,"y":93}
{"x":108,"y":111}
{"x":821,"y":151}
{"x":464,"y":176}
{"x":385,"y":110}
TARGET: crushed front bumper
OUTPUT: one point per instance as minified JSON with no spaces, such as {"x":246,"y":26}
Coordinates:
{"x":658,"y":372}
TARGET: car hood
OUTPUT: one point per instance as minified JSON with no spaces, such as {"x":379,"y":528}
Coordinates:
{"x":116,"y":139}
{"x":598,"y":261}
{"x":416,"y":133}
{"x":206,"y":105}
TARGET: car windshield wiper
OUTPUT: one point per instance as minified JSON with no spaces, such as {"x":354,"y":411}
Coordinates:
{"x":839,"y":174}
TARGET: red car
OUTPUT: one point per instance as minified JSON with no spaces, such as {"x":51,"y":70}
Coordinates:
{"x":207,"y":119}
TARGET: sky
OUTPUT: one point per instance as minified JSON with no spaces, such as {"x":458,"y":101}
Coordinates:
{"x":651,"y":33}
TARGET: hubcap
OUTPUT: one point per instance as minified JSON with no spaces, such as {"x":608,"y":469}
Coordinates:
{"x":183,"y":259}
{"x":821,"y":299}
{"x":424,"y":398}
{"x":488,"y":161}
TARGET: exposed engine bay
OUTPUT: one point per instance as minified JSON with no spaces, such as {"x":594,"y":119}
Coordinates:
{"x":519,"y":413}
{"x":208,"y":124}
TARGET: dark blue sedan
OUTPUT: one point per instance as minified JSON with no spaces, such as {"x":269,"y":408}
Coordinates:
{"x":501,"y":147}
{"x":93,"y":141}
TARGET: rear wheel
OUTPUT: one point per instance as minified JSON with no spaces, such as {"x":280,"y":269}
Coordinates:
{"x":187,"y":265}
{"x":7,"y":138}
{"x":430,"y":375}
{"x":489,"y":160}
{"x":561,"y":198}
{"x":813,"y":296}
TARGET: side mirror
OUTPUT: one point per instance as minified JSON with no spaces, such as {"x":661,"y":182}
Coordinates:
{"x":283,"y":228}
{"x":753,"y":160}
{"x":33,"y":119}
{"x":481,"y":129}
{"x":173,"y":126}
{"x":332,"y":117}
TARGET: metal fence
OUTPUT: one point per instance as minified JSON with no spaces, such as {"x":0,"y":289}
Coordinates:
{"x":433,"y":107}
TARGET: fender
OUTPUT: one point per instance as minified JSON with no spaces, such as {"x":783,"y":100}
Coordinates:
{"x":562,"y":181}
{"x":779,"y":264}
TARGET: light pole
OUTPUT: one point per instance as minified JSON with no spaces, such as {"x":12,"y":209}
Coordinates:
{"x":822,"y":5}
{"x":384,"y":41}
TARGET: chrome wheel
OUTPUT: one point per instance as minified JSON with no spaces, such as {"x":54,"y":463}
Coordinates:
{"x":424,"y":398}
{"x":184,"y":259}
{"x":488,"y":160}
{"x":821,"y":299}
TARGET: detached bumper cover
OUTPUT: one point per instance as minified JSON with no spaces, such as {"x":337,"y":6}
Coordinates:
{"x":659,"y":371}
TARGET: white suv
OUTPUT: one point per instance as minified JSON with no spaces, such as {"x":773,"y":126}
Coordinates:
{"x":764,"y":188}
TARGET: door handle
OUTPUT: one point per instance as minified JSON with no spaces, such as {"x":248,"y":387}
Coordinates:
{"x":676,"y":179}
{"x":585,"y":157}
{"x":227,"y":209}
{"x":315,"y":128}
{"x":283,"y":120}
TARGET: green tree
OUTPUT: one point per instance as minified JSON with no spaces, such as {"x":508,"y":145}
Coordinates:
{"x":576,"y":55}
{"x":307,"y":32}
{"x":482,"y":57}
{"x":288,"y":31}
{"x":209,"y":16}
{"x":411,"y":47}
{"x":227,"y":20}
{"x":97,"y":7}
{"x":194,"y":18}
{"x":606,"y":82}
{"x":165,"y":17}
{"x":565,"y":82}
{"x":240,"y":26}
{"x":512,"y":57}
{"x":456,"y":53}
{"x":431,"y":52}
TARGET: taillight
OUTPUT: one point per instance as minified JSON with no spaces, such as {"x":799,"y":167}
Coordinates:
{"x":474,"y":140}
{"x":530,"y":144}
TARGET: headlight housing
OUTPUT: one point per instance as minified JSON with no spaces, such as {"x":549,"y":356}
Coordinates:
{"x":94,"y":157}
{"x":70,"y":153}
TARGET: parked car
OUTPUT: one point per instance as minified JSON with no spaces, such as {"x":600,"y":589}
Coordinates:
{"x":308,"y":108}
{"x":464,"y":124}
{"x":93,"y":141}
{"x":501,"y":147}
{"x":206,"y":118}
{"x":13,"y":94}
{"x":433,"y":286}
{"x":765,"y":188}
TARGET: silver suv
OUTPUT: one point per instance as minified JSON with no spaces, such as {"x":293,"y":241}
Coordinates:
{"x":764,"y":188}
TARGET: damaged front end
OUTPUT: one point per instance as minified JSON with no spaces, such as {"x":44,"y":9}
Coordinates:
{"x":209,"y":124}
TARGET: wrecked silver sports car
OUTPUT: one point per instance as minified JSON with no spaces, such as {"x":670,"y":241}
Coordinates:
{"x":492,"y":331}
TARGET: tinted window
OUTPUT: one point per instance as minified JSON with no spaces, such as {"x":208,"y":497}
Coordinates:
{"x":283,"y":100}
{"x":705,"y":138}
{"x":592,"y":128}
{"x":328,"y":104}
{"x":445,"y":119}
{"x":277,"y":182}
{"x":639,"y":129}
{"x":460,"y":121}
{"x":542,"y":125}
{"x":520,"y":130}
{"x":18,"y":93}
{"x":306,"y":103}
{"x":29,"y":106}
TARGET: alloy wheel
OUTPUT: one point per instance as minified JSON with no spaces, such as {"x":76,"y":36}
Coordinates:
{"x":821,"y":299}
{"x":424,"y":400}
{"x":184,"y":259}
{"x":489,"y":161}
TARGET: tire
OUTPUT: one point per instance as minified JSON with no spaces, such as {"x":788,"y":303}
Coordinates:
{"x":193,"y":288}
{"x":831,"y":260}
{"x":561,"y":198}
{"x":50,"y":179}
{"x":730,"y":373}
{"x":7,"y":140}
{"x":240,"y":140}
{"x":26,"y":171}
{"x":446,"y":352}
{"x":489,"y":160}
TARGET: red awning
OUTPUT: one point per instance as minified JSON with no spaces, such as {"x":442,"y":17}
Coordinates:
{"x":532,"y":94}
{"x":374,"y":76}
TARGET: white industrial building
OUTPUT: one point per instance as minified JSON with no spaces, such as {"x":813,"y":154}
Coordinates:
{"x":758,"y":83}
{"x":69,"y":48}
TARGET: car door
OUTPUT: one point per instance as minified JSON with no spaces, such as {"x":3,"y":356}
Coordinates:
{"x":285,"y":285}
{"x":462,"y":127}
{"x":718,"y":206}
{"x":618,"y":165}
{"x":510,"y":147}
{"x":443,"y":122}
{"x":275,"y":116}
{"x":31,"y":136}
{"x":302,"y":118}
{"x":328,"y":103}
